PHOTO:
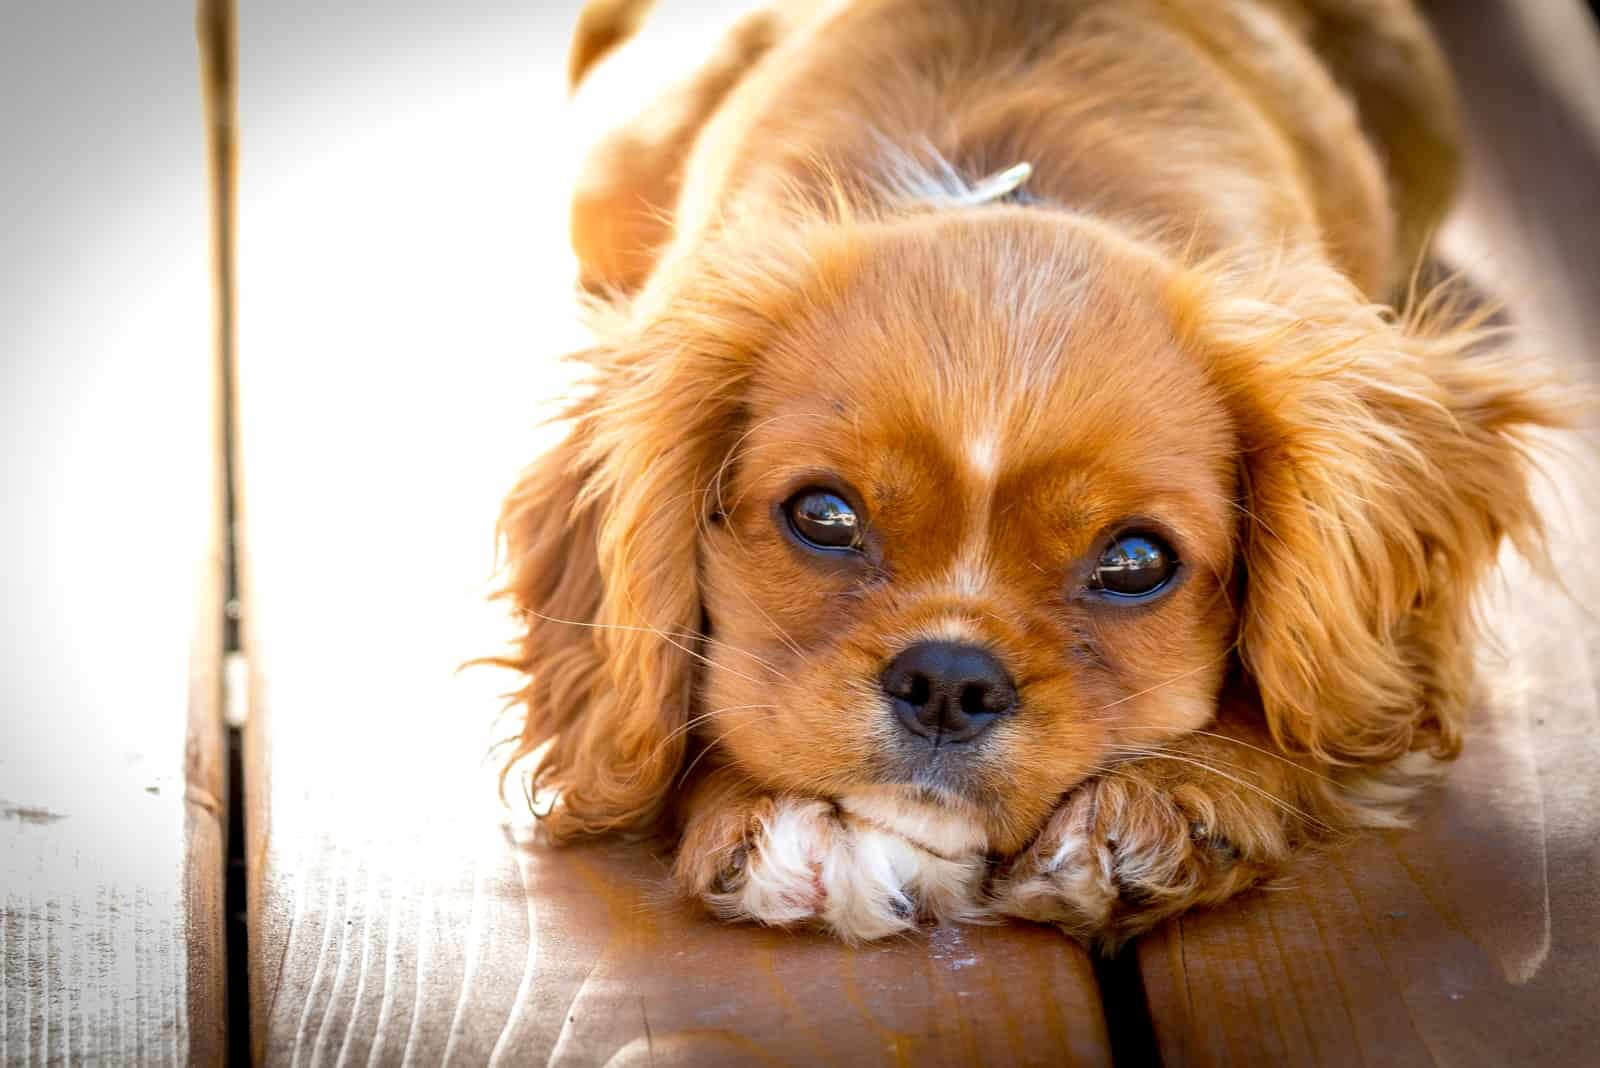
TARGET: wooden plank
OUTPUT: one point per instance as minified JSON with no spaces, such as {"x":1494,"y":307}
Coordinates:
{"x":405,"y":283}
{"x":112,"y":774}
{"x":1473,"y":937}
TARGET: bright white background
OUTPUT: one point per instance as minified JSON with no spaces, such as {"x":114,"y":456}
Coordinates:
{"x":406,"y":293}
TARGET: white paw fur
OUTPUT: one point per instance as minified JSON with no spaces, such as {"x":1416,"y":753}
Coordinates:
{"x":865,"y":868}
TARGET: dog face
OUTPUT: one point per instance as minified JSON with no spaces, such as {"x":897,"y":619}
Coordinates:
{"x":976,"y":503}
{"x":977,"y":529}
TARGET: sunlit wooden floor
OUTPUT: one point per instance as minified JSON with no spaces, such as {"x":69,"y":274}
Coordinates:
{"x":405,"y":286}
{"x":392,"y":912}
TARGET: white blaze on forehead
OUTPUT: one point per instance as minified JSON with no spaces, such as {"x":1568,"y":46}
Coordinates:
{"x":968,"y":577}
{"x":970,"y":573}
{"x":983,"y":455}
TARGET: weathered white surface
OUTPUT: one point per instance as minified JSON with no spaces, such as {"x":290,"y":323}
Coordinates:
{"x":110,"y":852}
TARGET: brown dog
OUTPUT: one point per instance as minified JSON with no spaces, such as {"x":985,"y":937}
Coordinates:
{"x":1004,"y":488}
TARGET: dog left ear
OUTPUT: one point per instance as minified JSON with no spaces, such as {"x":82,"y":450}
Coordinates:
{"x":1383,"y":465}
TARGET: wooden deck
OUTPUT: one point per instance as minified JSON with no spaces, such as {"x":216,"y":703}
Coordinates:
{"x":403,"y":278}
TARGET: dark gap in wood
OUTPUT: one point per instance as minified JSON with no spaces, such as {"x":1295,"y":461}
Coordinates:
{"x":238,"y":941}
{"x":1129,"y":1026}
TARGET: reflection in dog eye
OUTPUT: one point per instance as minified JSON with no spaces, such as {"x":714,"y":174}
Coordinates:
{"x":823,"y":520}
{"x":1134,"y":565}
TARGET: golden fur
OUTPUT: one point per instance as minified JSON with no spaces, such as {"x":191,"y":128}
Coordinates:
{"x":1182,"y":320}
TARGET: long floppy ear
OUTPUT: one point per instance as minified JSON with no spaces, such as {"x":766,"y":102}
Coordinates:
{"x":603,"y":540}
{"x":1383,"y":465}
{"x":553,"y":581}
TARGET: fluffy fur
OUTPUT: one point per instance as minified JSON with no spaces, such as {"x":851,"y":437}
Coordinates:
{"x":1181,"y":318}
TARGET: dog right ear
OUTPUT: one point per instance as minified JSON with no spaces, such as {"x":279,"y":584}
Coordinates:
{"x":549,"y":535}
{"x":601,"y":567}
{"x":602,"y":538}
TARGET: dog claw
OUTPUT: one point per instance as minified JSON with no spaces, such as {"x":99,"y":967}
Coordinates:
{"x":731,"y":877}
{"x":1221,"y":849}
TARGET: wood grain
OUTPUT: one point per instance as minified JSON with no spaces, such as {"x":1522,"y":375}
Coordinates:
{"x":494,"y":954}
{"x":1473,"y":938}
{"x":406,"y":287}
{"x":111,"y":763}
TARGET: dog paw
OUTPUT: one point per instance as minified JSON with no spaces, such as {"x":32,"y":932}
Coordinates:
{"x":806,"y":862}
{"x":1123,"y":853}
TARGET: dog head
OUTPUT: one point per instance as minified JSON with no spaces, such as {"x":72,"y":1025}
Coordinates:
{"x":976,"y":503}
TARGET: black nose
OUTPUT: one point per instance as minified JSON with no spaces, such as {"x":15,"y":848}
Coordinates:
{"x":947,"y":692}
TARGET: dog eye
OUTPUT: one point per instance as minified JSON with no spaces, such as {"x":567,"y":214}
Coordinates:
{"x":823,"y":520}
{"x":1134,"y":565}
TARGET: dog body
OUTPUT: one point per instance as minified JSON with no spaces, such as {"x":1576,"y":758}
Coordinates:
{"x":1003,"y":491}
{"x":1226,"y":124}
